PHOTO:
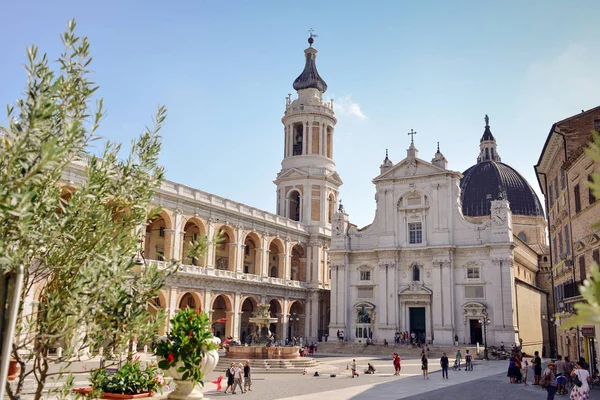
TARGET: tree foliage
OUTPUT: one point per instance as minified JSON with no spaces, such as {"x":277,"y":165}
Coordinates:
{"x":78,"y":244}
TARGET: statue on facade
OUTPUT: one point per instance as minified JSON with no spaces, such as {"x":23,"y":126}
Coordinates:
{"x":363,"y":316}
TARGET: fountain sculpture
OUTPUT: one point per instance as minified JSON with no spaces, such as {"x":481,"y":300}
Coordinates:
{"x":262,"y":344}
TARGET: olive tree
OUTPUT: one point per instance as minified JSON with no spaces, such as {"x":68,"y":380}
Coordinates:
{"x":78,"y":245}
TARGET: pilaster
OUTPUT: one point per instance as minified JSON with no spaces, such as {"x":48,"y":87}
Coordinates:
{"x":177,"y":235}
{"x":211,"y":251}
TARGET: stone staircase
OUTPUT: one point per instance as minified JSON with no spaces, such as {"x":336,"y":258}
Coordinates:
{"x":403,"y":350}
{"x":292,"y":366}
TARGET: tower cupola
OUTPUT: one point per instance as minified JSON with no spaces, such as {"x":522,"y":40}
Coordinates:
{"x":310,"y":78}
{"x":487,"y":145}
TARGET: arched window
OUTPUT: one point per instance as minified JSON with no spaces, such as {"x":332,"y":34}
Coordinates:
{"x":298,"y":140}
{"x":522,"y":236}
{"x":294,"y":210}
{"x":487,"y":153}
{"x":416,"y":273}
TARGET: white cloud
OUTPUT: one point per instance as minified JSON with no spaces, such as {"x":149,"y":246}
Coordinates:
{"x":346,"y":107}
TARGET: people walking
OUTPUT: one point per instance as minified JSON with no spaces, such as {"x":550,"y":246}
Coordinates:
{"x":581,"y":387}
{"x":396,"y":361}
{"x":537,"y":368}
{"x":550,"y":378}
{"x":458,"y":359}
{"x":561,"y":379}
{"x":444,"y":364}
{"x":353,"y":369}
{"x":424,"y":366}
{"x":230,"y":374}
{"x":247,"y":376}
{"x":468,"y":361}
{"x":525,"y":365}
{"x":238,"y":378}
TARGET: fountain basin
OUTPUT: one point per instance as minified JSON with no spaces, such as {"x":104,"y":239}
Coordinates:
{"x":263,"y":352}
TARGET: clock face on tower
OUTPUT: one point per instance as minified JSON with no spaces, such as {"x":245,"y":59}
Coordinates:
{"x":499,"y":216}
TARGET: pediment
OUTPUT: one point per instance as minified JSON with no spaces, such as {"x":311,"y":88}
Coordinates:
{"x":410,"y":167}
{"x":292,"y":173}
{"x":296,"y":173}
{"x":415,"y":289}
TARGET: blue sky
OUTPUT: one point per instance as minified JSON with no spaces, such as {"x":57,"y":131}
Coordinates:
{"x":223,"y":69}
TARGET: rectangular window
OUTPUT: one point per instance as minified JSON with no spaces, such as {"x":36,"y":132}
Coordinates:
{"x":160,"y":255}
{"x":560,"y":244}
{"x":365,"y":293}
{"x":550,"y":196}
{"x":562,"y":179}
{"x":161,"y":231}
{"x":581,"y":267}
{"x":246,"y":268}
{"x":567,"y":244}
{"x":556,"y":192}
{"x":591,"y":196}
{"x":473,"y":273}
{"x":597,"y":125}
{"x":365,"y":275}
{"x":473,"y":292}
{"x":596,"y":256}
{"x":577,"y":198}
{"x":415,"y":233}
{"x":554,"y":249}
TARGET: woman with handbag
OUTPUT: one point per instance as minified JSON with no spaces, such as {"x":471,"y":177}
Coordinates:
{"x":581,"y":388}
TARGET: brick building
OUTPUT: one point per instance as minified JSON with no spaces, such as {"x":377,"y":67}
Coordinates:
{"x":564,"y":170}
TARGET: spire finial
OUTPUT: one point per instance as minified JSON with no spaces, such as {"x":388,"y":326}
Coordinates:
{"x":310,"y":38}
{"x":412,"y":134}
{"x":386,"y":153}
{"x":438,"y":147}
{"x":487,"y":121}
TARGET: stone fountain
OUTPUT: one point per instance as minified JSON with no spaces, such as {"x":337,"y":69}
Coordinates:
{"x":262,"y":343}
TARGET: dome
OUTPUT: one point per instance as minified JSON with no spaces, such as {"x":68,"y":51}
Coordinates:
{"x":310,"y":78}
{"x":487,"y":180}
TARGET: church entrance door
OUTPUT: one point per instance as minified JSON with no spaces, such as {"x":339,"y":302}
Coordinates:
{"x":476,"y":334}
{"x":417,"y":322}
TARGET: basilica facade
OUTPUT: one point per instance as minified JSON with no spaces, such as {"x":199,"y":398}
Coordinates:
{"x":448,"y":254}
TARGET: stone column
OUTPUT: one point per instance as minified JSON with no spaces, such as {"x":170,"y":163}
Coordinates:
{"x":305,"y":135}
{"x":314,"y":315}
{"x":239,"y":249}
{"x":210,"y":254}
{"x":172,"y":303}
{"x":381,"y":288}
{"x":287,"y":260}
{"x":177,"y":235}
{"x":237,"y":307}
{"x":285,"y":319}
{"x":265,"y":257}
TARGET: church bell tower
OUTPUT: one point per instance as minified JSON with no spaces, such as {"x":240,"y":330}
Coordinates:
{"x":308,"y":185}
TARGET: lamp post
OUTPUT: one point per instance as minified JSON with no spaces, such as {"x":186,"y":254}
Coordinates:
{"x":485,"y":322}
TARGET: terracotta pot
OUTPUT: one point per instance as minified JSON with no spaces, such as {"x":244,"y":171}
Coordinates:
{"x":13,"y":370}
{"x":184,"y":389}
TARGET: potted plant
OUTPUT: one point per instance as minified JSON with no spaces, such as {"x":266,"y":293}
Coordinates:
{"x":130,"y":381}
{"x":188,"y":353}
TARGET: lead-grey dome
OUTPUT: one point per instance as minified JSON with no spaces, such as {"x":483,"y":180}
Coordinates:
{"x":486,"y":180}
{"x":310,"y":78}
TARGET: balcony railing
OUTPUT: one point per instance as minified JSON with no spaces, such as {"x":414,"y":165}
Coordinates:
{"x":222,"y":273}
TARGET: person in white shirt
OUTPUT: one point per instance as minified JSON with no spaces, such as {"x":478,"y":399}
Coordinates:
{"x":580,"y":392}
{"x":238,"y":378}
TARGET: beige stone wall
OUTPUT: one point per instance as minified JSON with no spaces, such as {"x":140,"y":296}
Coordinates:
{"x":534,"y":229}
{"x":315,"y":140}
{"x":531,"y":303}
{"x":586,"y":239}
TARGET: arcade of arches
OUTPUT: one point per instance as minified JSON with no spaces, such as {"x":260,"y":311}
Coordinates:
{"x":230,"y":313}
{"x":242,"y":269}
